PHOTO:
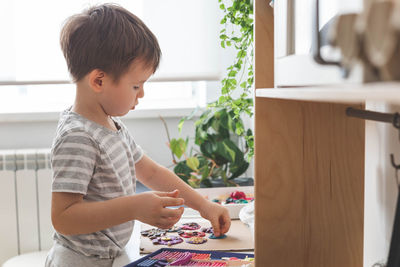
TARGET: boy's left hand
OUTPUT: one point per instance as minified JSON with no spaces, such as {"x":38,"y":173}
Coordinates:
{"x":218,"y":216}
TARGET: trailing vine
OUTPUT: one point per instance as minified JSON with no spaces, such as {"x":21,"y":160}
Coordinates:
{"x":236,"y":90}
{"x":220,"y":134}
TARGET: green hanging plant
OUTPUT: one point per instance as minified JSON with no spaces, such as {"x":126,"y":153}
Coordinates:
{"x":237,"y":86}
{"x":223,"y":147}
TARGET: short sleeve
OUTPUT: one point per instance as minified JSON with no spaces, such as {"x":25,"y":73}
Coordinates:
{"x":73,"y":162}
{"x":137,"y":151}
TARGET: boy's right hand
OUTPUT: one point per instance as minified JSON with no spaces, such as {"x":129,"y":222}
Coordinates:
{"x":152,"y":208}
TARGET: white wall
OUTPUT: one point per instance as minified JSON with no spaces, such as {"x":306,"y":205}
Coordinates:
{"x":382,"y":139}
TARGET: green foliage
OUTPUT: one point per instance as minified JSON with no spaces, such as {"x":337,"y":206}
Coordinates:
{"x":240,"y":76}
{"x":220,"y":154}
{"x":223,"y":143}
{"x":178,"y":146}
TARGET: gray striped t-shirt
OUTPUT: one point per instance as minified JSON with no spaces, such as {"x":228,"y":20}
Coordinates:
{"x":99,"y":163}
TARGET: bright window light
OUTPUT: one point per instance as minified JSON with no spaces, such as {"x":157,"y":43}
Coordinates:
{"x":55,"y":98}
{"x":33,"y":72}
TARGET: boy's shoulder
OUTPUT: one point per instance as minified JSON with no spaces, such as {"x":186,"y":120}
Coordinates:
{"x":71,"y":124}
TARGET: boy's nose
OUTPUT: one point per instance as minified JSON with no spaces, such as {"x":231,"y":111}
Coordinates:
{"x":141,"y":93}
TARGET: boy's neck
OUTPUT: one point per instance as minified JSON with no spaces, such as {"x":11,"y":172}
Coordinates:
{"x":86,"y":105}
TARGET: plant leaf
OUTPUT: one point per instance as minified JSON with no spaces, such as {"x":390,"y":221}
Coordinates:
{"x":193,"y":163}
{"x":229,"y":151}
{"x":178,"y":147}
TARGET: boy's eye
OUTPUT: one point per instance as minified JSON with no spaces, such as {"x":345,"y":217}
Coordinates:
{"x":136,"y":87}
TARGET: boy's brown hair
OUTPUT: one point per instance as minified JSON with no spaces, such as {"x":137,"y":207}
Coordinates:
{"x":107,"y":37}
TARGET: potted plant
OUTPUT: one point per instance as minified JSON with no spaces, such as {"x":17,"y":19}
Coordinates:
{"x":224,"y":146}
{"x":219,"y":156}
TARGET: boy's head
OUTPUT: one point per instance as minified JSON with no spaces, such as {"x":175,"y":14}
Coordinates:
{"x":109,"y":38}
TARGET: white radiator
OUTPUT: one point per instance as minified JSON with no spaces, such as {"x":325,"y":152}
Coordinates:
{"x":25,"y":202}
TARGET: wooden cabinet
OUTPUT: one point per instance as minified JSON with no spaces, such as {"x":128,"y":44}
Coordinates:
{"x":309,"y":168}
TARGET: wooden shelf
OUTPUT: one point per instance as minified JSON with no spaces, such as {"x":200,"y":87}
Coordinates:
{"x":348,"y":93}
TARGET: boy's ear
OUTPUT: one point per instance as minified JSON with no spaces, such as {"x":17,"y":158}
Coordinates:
{"x":96,"y":80}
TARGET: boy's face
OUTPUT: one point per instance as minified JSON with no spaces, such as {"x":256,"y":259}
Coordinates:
{"x":119,"y":97}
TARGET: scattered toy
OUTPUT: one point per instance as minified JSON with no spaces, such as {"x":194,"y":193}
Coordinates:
{"x":190,"y":226}
{"x":212,"y":236}
{"x":167,"y":240}
{"x":197,"y":240}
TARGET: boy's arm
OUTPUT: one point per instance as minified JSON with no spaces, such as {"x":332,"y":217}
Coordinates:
{"x":73,"y":163}
{"x":71,"y":215}
{"x":160,"y":178}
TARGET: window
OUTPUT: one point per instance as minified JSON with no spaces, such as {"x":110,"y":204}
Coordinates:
{"x":56,"y":97}
{"x":33,"y":72}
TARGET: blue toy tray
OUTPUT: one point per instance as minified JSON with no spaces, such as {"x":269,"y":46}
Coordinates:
{"x":215,"y":255}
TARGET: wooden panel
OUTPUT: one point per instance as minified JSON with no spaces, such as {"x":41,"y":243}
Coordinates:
{"x":264,"y":78}
{"x":309,"y":184}
{"x":334,"y":185}
{"x":347,"y":189}
{"x":278,"y":169}
{"x":8,"y":229}
{"x":27,"y":211}
{"x":264,"y":45}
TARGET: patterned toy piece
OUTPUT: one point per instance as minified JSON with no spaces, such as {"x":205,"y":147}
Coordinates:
{"x":238,"y":195}
{"x":197,"y":240}
{"x":186,"y":258}
{"x":183,"y":259}
{"x":216,"y":200}
{"x":180,"y":258}
{"x":190,"y":226}
{"x":147,"y":263}
{"x":173,"y":255}
{"x":212,"y":236}
{"x":207,"y":263}
{"x":161,"y":263}
{"x":153,"y":233}
{"x":201,"y":256}
{"x":165,"y":255}
{"x":174,"y":229}
{"x":208,"y":230}
{"x":168,"y":255}
{"x":189,"y":234}
{"x":167,"y":240}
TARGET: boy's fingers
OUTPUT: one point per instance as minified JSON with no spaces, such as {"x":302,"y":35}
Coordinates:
{"x":168,"y":222}
{"x":174,"y":193}
{"x":215,"y":226}
{"x":175,"y":213}
{"x":160,"y":194}
{"x":170,"y":201}
{"x":225,"y":225}
{"x":167,"y":194}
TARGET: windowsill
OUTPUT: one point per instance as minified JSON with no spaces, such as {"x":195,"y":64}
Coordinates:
{"x":136,"y":114}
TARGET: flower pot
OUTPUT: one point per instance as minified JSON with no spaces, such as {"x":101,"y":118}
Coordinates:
{"x":241,"y":181}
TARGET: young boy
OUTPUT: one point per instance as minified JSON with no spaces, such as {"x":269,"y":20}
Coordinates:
{"x":110,"y":54}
